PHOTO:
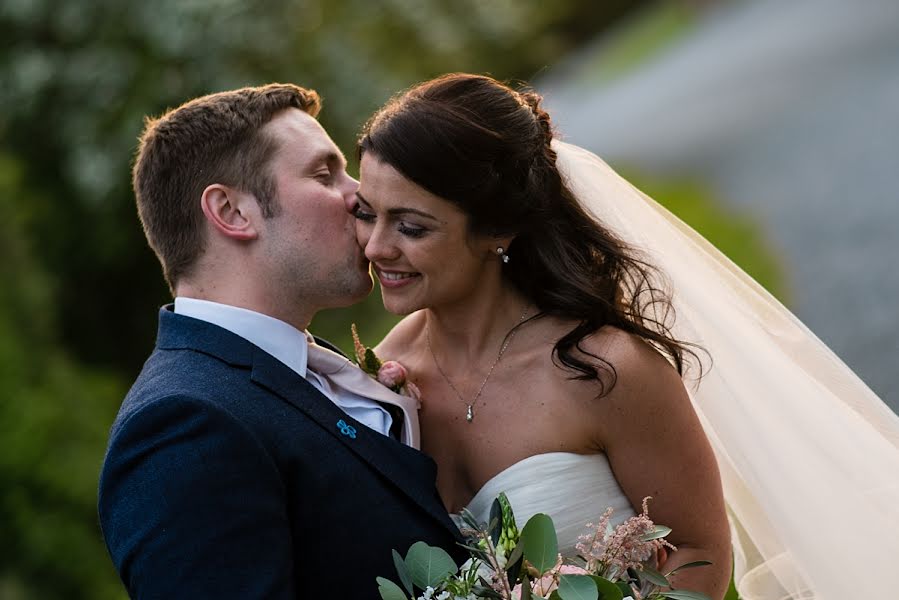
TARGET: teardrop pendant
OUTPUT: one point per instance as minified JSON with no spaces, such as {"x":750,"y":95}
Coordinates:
{"x":469,"y":414}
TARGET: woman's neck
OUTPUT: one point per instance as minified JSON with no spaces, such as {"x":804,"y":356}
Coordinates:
{"x":472,"y":331}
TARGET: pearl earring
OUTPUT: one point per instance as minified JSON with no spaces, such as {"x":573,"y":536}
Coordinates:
{"x":501,"y":252}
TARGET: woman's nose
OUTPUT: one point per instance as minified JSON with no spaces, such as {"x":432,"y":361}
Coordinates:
{"x":378,"y":245}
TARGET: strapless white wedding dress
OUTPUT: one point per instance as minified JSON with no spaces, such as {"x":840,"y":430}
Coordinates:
{"x":573,"y":489}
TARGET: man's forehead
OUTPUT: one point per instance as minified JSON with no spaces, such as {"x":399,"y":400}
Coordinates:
{"x":293,"y":124}
{"x":304,"y":136}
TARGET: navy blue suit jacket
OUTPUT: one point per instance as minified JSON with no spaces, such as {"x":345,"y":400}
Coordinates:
{"x":227,"y":476}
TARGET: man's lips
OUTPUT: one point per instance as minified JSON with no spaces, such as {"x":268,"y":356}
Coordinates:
{"x":395,"y":279}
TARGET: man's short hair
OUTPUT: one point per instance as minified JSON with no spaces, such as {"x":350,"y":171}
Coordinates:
{"x":212,"y":139}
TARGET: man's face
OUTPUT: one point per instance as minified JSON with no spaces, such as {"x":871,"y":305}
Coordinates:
{"x":309,"y":249}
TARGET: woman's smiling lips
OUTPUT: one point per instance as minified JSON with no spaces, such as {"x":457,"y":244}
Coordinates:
{"x":394,"y":279}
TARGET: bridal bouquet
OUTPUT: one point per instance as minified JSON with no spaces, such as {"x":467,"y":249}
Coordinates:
{"x":510,"y":565}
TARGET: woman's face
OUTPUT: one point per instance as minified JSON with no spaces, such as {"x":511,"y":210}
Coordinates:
{"x":418,"y":243}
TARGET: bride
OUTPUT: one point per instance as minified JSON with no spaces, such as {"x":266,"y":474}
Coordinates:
{"x":557,"y":365}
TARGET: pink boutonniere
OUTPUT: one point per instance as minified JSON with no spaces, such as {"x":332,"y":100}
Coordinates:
{"x":388,"y":373}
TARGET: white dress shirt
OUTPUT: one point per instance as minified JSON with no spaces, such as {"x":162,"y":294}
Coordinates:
{"x":290,"y":346}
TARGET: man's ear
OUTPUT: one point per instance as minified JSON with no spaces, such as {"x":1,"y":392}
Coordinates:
{"x":232,"y":213}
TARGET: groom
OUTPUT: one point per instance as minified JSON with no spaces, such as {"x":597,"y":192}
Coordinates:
{"x":249,"y":460}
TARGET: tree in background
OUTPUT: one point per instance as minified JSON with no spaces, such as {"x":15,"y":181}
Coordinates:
{"x":54,"y":417}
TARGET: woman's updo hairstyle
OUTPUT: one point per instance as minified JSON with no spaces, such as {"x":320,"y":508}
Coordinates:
{"x":485,"y":147}
{"x":472,"y":141}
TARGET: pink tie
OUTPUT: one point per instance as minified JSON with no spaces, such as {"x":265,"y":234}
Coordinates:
{"x":348,"y":376}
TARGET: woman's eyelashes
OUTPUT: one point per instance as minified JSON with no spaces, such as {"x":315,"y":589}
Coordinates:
{"x":411,"y":230}
{"x":363,"y":215}
{"x":406,"y":229}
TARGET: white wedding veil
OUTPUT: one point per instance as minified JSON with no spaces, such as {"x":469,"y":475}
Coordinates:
{"x":809,"y":455}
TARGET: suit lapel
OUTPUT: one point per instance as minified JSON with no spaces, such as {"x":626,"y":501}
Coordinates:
{"x":349,"y":377}
{"x":411,"y":471}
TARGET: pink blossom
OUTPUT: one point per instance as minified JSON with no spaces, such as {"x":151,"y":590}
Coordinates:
{"x":357,"y":345}
{"x":592,"y":545}
{"x":392,"y":374}
{"x":611,"y":555}
{"x":547,"y":584}
{"x":413,"y":392}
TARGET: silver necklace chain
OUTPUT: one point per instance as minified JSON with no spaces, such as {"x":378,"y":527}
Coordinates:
{"x":469,"y":413}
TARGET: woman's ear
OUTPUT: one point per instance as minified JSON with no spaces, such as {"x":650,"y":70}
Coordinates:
{"x":500,"y":246}
{"x":230,"y":212}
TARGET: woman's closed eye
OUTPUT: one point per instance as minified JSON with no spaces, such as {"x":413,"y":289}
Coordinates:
{"x":363,"y":215}
{"x":410,"y":230}
{"x":405,"y":228}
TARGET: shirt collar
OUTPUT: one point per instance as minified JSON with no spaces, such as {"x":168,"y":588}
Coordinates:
{"x":283,"y":341}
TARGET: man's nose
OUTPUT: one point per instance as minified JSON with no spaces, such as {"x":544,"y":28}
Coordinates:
{"x":349,"y":196}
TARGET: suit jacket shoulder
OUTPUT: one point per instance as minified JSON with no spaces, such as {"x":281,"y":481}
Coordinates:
{"x":227,"y":475}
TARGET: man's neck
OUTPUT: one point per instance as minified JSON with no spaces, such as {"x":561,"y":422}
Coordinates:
{"x":241,"y":297}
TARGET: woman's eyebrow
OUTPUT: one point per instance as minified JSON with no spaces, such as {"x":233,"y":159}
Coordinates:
{"x":400,"y":210}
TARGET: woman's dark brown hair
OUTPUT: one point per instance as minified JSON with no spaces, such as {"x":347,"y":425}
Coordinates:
{"x":486,"y":148}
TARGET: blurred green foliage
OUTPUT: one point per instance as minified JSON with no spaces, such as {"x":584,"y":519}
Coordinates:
{"x":736,"y":235}
{"x":54,"y":417}
{"x":77,"y":78}
{"x":80,"y":287}
{"x":641,"y":38}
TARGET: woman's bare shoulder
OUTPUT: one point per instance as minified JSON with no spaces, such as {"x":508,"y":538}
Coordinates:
{"x":404,"y":337}
{"x":641,"y":373}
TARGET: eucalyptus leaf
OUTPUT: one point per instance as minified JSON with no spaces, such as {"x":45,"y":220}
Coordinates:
{"x":690,"y":565}
{"x":577,"y":587}
{"x":514,"y":564}
{"x":526,"y":588}
{"x":428,"y":565}
{"x":475,"y":551}
{"x":555,"y":595}
{"x":493,"y":529}
{"x":516,"y":554}
{"x":402,"y":571}
{"x":624,"y":588}
{"x":390,"y":590}
{"x":685,"y":595}
{"x":659,"y":531}
{"x":607,"y":589}
{"x":496,"y":520}
{"x":651,"y":575}
{"x":486,"y":590}
{"x":541,"y":548}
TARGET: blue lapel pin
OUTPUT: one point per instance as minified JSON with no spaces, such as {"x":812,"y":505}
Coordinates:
{"x":347,"y":430}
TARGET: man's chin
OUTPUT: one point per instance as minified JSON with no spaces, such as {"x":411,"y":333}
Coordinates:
{"x":358,"y":292}
{"x":364,"y":291}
